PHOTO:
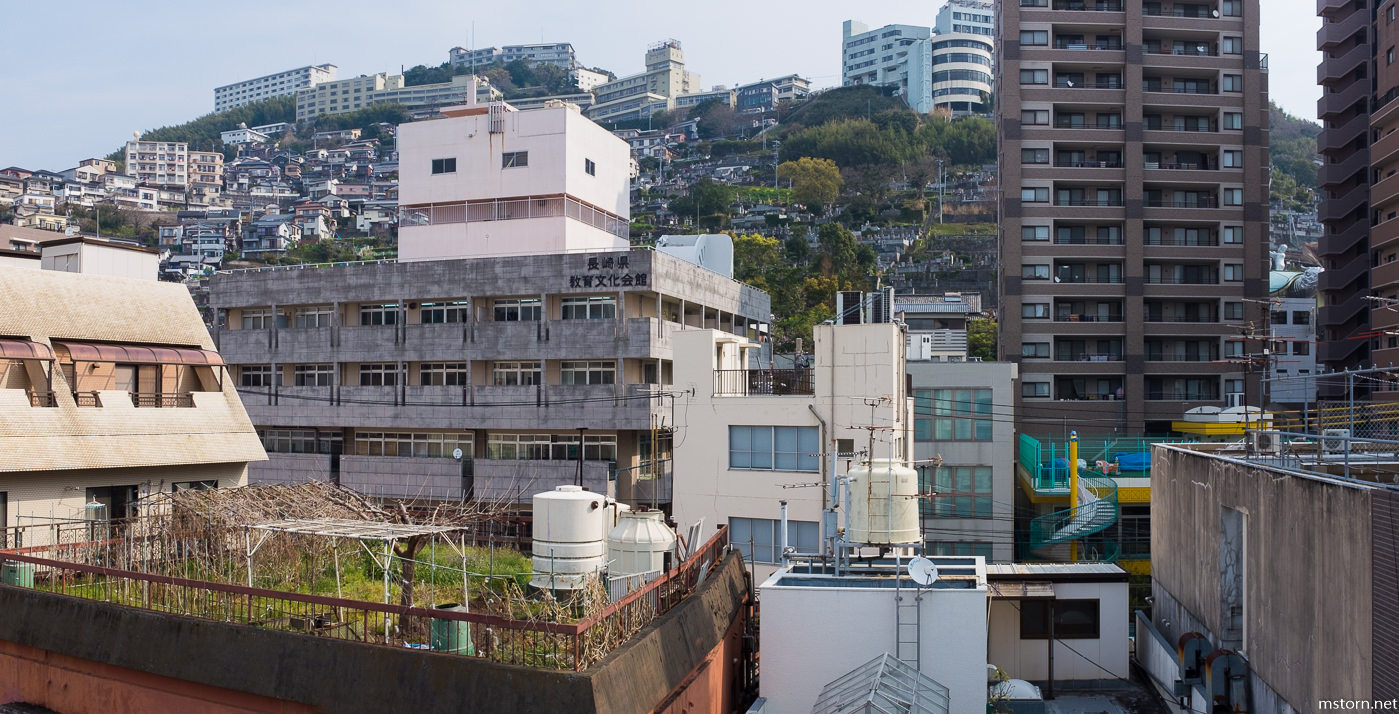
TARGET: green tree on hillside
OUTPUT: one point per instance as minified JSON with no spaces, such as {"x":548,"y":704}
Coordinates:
{"x":815,"y":182}
{"x":981,"y":339}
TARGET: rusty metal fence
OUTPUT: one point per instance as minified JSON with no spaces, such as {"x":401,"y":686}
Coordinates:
{"x":567,"y":646}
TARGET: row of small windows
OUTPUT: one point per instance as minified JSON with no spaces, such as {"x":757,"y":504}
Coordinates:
{"x":592,"y":307}
{"x":1227,"y":8}
{"x":1040,"y":117}
{"x":509,"y":447}
{"x":433,"y":374}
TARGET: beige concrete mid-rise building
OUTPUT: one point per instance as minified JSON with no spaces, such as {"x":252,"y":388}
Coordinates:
{"x":110,"y":391}
{"x":349,"y":95}
{"x":164,"y":163}
{"x":1134,"y":170}
{"x":641,"y":95}
{"x":247,"y":91}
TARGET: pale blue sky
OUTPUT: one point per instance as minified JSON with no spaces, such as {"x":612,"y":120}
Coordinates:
{"x":84,"y":74}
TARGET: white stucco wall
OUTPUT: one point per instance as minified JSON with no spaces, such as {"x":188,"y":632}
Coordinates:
{"x":1029,"y":659}
{"x":813,"y":635}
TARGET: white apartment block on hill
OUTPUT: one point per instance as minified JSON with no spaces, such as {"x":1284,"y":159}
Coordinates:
{"x":237,"y":94}
{"x":641,"y":95}
{"x":165,"y":163}
{"x":348,"y":95}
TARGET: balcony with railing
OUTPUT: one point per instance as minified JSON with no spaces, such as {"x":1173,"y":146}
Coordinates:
{"x":1078,"y":43}
{"x":1197,"y":202}
{"x":1198,"y":11}
{"x":166,"y":401}
{"x":42,"y":399}
{"x":764,"y":382}
{"x":87,"y":399}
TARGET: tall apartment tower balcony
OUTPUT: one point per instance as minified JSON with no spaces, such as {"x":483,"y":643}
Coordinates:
{"x":1345,"y":41}
{"x":1134,"y":234}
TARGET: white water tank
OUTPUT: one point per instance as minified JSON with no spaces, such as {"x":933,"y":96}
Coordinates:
{"x":570,"y":537}
{"x":639,"y":543}
{"x":883,"y":503}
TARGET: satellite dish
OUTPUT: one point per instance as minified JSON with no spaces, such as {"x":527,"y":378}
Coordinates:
{"x":1069,"y":82}
{"x":456,"y":454}
{"x":923,"y":571}
{"x":1214,"y":13}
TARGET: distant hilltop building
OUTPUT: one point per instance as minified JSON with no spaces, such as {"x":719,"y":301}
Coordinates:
{"x":237,"y":94}
{"x":656,"y":89}
{"x":558,"y":54}
{"x":947,"y":67}
{"x":348,"y":95}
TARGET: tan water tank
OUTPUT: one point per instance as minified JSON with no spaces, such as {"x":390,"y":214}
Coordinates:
{"x":883,"y":504}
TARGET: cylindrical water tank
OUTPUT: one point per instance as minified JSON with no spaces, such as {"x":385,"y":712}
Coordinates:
{"x":570,"y":537}
{"x":639,"y":543}
{"x":451,"y":635}
{"x":883,"y":503}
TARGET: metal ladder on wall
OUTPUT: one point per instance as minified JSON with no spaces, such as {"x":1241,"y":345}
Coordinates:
{"x":908,"y":626}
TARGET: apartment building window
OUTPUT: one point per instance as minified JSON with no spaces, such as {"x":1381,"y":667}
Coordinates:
{"x":1033,"y":233}
{"x":1035,"y":117}
{"x":1031,"y":194}
{"x":1233,"y":311}
{"x":1233,"y":83}
{"x":1232,"y":159}
{"x":257,"y":318}
{"x":1301,"y":348}
{"x":523,"y":310}
{"x":1233,"y":273}
{"x":1034,"y":76}
{"x":1034,"y":3}
{"x":444,"y":166}
{"x":1389,"y":57}
{"x":427,"y":445}
{"x":544,"y":447}
{"x":1034,"y":390}
{"x":1233,"y":45}
{"x":1034,"y":156}
{"x":589,"y":167}
{"x":760,"y":539}
{"x":1301,"y":317}
{"x":378,"y":314}
{"x":442,"y":374}
{"x":512,"y":374}
{"x":1233,"y":234}
{"x":1233,"y":197}
{"x":588,"y":372}
{"x":1233,"y":348}
{"x":590,"y":308}
{"x":1389,"y":14}
{"x":963,"y":492}
{"x":378,"y":375}
{"x":957,"y":414}
{"x":288,"y":441}
{"x":1073,"y":619}
{"x":1034,"y":310}
{"x":1034,"y":272}
{"x":1232,"y":8}
{"x":312,"y":375}
{"x":1038,"y":350}
{"x":1034,"y":38}
{"x":774,"y":448}
{"x":255,"y":375}
{"x":514,"y":159}
{"x":312,"y":316}
{"x":435,"y":313}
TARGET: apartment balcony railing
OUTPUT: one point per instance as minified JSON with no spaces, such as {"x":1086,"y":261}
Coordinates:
{"x":1211,"y":127}
{"x":167,"y":401}
{"x":1172,"y":280}
{"x":1188,"y":242}
{"x":1077,"y":5}
{"x":1180,"y":318}
{"x":1089,"y":357}
{"x":1088,"y":240}
{"x":1079,"y":317}
{"x":1093,"y":397}
{"x":1070,"y":84}
{"x":1089,"y":280}
{"x":1191,"y":51}
{"x":87,"y":399}
{"x":1180,"y":89}
{"x":1179,"y":166}
{"x":1070,"y":124}
{"x":42,"y":399}
{"x":1182,"y":395}
{"x":1058,"y":45}
{"x":764,"y":382}
{"x":1110,"y":164}
{"x":1178,"y":357}
{"x":1195,"y":11}
{"x":1077,"y":202}
{"x":1197,"y":203}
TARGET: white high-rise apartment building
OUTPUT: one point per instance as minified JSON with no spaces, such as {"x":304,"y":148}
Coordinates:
{"x":972,"y":17}
{"x":272,"y":85}
{"x":165,"y":163}
{"x":933,"y":71}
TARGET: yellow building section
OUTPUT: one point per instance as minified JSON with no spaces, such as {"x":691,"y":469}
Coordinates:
{"x":1134,"y":495}
{"x":1206,"y":429}
{"x":1136,"y":567}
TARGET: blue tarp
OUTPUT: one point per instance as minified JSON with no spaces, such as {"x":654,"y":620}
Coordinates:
{"x":1140,"y":461}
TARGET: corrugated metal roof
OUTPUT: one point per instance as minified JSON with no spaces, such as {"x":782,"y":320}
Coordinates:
{"x":960,"y":308}
{"x":1031,"y":570}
